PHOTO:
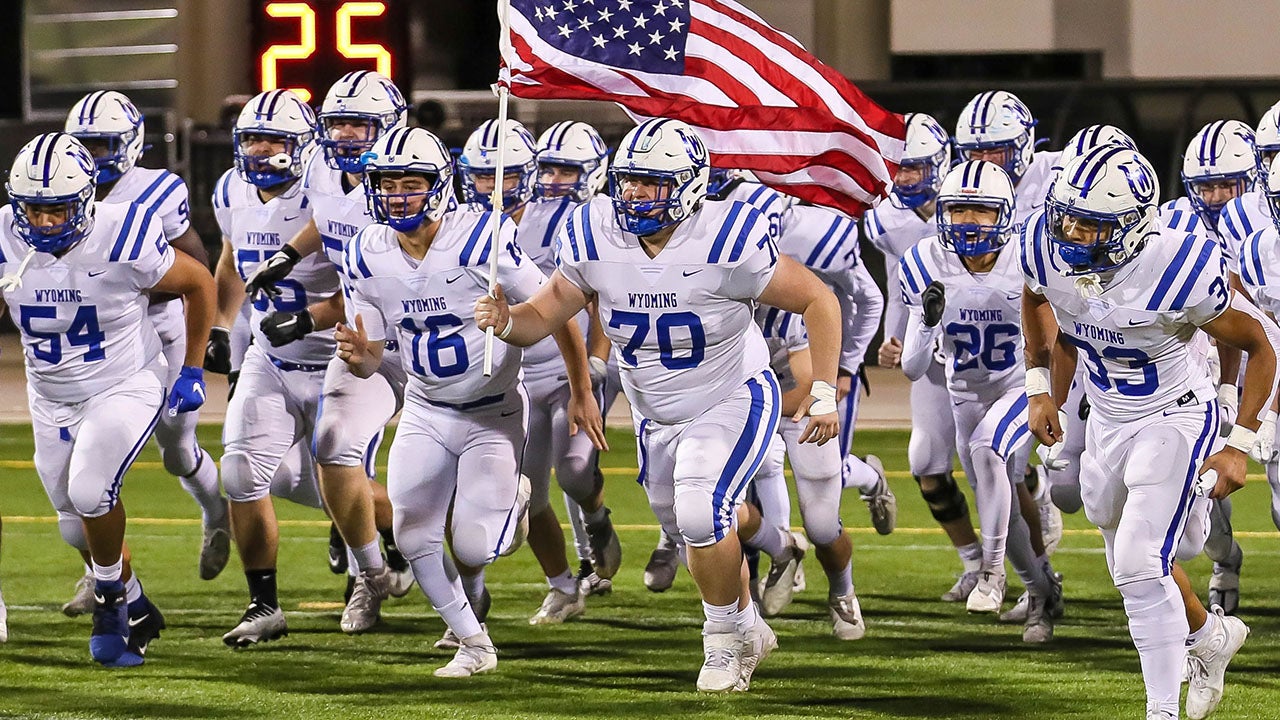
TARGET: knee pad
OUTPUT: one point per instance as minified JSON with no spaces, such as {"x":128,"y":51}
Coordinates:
{"x":473,"y":545}
{"x":92,"y":497}
{"x":945,"y":499}
{"x":696,"y":519}
{"x":238,"y":479}
{"x":823,"y":532}
{"x":336,"y":444}
{"x":182,"y":460}
{"x":71,"y":527}
{"x":1066,"y":497}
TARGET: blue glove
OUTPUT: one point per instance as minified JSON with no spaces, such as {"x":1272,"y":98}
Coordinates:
{"x":188,"y":391}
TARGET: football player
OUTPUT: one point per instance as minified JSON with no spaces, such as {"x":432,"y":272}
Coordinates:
{"x":677,"y":281}
{"x":454,"y":465}
{"x":79,"y":277}
{"x":1128,"y":295}
{"x":109,"y":125}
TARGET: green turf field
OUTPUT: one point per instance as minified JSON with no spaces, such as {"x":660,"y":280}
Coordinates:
{"x":634,"y":655}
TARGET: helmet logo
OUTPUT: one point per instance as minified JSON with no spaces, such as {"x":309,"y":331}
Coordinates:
{"x":693,"y":145}
{"x":85,"y":160}
{"x":1140,"y":182}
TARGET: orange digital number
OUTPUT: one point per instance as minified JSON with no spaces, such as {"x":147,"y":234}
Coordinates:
{"x":357,"y":51}
{"x":305,"y":47}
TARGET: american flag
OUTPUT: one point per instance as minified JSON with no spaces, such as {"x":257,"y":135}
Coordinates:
{"x":757,"y":98}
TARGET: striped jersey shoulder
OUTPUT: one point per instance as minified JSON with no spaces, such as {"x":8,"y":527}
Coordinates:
{"x":739,"y":228}
{"x":1034,"y":251}
{"x":918,"y":268}
{"x":1234,"y":221}
{"x":222,"y":190}
{"x":137,"y":227}
{"x":475,"y":227}
{"x":578,"y":238}
{"x":822,"y":239}
{"x":370,"y":242}
{"x":1257,"y":256}
{"x":1181,"y":263}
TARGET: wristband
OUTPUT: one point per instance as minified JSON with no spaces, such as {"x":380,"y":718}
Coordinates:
{"x":291,"y":252}
{"x":1242,"y":439}
{"x":824,"y":398}
{"x":511,"y":322}
{"x":1038,"y":381}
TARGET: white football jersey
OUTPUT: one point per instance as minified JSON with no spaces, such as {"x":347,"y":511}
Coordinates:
{"x":682,"y":323}
{"x":894,"y":230}
{"x":1136,"y":338}
{"x":1032,"y":189}
{"x":256,"y":230}
{"x":1243,"y":217}
{"x":338,"y":213}
{"x":83,"y":316}
{"x":772,"y":203}
{"x":161,"y":191}
{"x":1260,"y":267}
{"x":539,"y":225}
{"x":982,"y":323}
{"x":784,"y":333}
{"x":1178,"y":214}
{"x":431,"y":304}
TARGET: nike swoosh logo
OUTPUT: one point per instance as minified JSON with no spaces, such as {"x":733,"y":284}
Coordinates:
{"x":448,"y":281}
{"x":1136,"y":324}
{"x":287,"y":218}
{"x":135,"y":622}
{"x":508,"y":414}
{"x":687,"y":273}
{"x":99,"y":599}
{"x":96,"y":274}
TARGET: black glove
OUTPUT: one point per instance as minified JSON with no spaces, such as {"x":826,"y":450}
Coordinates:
{"x":934,"y":300}
{"x":217,"y":353}
{"x":232,"y":378}
{"x":271,"y":271}
{"x":284,"y":328}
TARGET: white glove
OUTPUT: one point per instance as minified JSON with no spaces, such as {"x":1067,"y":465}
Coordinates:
{"x":599,"y":370}
{"x":1050,"y":455}
{"x":1228,"y":405}
{"x":1206,"y":482}
{"x":1263,"y":449}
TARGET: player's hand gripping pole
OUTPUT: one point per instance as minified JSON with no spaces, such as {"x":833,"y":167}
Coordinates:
{"x":499,"y":175}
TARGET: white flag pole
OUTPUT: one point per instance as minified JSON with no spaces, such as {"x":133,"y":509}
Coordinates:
{"x":495,"y":219}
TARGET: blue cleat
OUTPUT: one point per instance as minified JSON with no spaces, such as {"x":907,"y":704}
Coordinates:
{"x":145,"y":624}
{"x":109,"y":640}
{"x":126,"y":659}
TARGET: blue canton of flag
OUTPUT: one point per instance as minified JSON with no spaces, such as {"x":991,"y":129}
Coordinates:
{"x":642,"y":35}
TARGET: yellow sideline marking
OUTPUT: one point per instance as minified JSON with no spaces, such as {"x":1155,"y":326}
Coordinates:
{"x":195,"y":522}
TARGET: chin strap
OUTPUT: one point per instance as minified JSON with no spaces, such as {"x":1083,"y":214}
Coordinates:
{"x":1089,"y":286}
{"x":13,"y":281}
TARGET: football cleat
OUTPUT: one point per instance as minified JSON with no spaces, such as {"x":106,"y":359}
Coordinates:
{"x":780,"y":583}
{"x":522,"y":527}
{"x":109,"y":639}
{"x":757,"y":643}
{"x":475,"y":655}
{"x":365,"y":606}
{"x":589,"y":583}
{"x":337,"y":551}
{"x":1207,"y":662}
{"x":846,"y":617}
{"x":145,"y":624}
{"x":1055,"y":604}
{"x":82,"y":602}
{"x":260,"y":623}
{"x":1154,"y":712}
{"x":215,"y":550}
{"x":1038,"y":627}
{"x":448,"y":641}
{"x":558,"y":607}
{"x":605,"y":547}
{"x":1051,"y":527}
{"x":401,"y":572}
{"x":800,"y":583}
{"x":722,"y":661}
{"x":964,"y":585}
{"x":882,"y":503}
{"x":660,"y":572}
{"x":1224,"y":585}
{"x":988,"y":594}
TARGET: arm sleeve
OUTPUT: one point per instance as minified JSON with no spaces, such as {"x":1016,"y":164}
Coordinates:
{"x":148,"y":251}
{"x":917,"y":346}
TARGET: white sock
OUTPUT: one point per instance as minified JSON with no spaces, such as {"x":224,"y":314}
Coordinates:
{"x":109,"y":573}
{"x":202,"y":486}
{"x":444,"y":590}
{"x":368,"y":558}
{"x":720,"y":617}
{"x":1158,"y":626}
{"x":747,"y":618}
{"x":565,"y":583}
{"x":1207,"y":629}
{"x":971,"y":556}
{"x":771,"y":540}
{"x":841,"y":583}
{"x":858,"y":475}
{"x":132,"y":588}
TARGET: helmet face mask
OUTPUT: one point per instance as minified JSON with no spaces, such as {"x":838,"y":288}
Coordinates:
{"x":570,"y":146}
{"x":408,"y":179}
{"x":479,"y":160}
{"x":1219,"y":165}
{"x":975,"y":185}
{"x":53,"y":178}
{"x":1101,"y":209}
{"x":924,"y":162}
{"x":112,"y":128}
{"x":359,"y":109}
{"x":659,"y":176}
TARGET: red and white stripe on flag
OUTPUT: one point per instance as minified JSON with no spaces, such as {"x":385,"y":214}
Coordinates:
{"x":758,"y":99}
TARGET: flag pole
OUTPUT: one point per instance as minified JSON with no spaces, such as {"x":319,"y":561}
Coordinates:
{"x":495,"y":218}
